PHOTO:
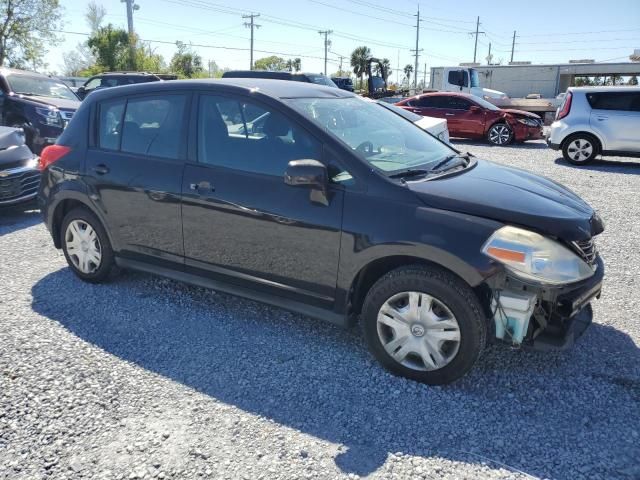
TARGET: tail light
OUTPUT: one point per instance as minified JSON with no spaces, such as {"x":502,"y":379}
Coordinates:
{"x":566,"y":106}
{"x":52,"y":154}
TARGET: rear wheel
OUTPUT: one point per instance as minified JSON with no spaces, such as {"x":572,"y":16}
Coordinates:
{"x":580,"y":149}
{"x":424,"y":323}
{"x":86,"y":245}
{"x":500,"y":134}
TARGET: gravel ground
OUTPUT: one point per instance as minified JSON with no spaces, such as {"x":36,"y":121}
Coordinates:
{"x":147,"y":378}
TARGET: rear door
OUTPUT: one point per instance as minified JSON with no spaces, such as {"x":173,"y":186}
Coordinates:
{"x":135,"y":170}
{"x":615,"y":116}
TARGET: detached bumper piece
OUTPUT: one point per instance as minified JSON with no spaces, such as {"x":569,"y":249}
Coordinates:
{"x":544,"y":318}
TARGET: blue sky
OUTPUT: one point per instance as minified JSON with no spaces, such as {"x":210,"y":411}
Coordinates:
{"x":548,"y":31}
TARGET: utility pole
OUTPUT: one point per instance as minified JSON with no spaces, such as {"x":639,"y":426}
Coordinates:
{"x":131,"y":6}
{"x":489,"y":55}
{"x":252,"y":25}
{"x":398,"y":70}
{"x":513,"y":45}
{"x":417,"y":50}
{"x":424,"y":77}
{"x":327,"y":43}
{"x":475,"y":48}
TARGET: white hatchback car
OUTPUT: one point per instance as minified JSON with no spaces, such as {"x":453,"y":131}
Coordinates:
{"x":597,"y":121}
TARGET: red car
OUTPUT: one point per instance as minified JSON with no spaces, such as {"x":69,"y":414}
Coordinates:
{"x":469,"y":116}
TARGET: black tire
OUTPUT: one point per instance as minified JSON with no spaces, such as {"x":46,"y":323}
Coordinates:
{"x":107,"y":263}
{"x":496,"y":134}
{"x":575,"y":146}
{"x":448,"y":289}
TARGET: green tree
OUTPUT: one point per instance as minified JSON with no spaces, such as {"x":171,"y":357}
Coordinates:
{"x":110,"y":46}
{"x":633,"y":80}
{"x":408,"y":70}
{"x":26,"y":27}
{"x":185,"y":62}
{"x":386,"y":64}
{"x":358,"y":61}
{"x":294,"y":65}
{"x":273,"y":63}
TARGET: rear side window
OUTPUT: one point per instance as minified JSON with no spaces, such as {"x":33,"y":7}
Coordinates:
{"x":110,"y":124}
{"x":621,"y":101}
{"x":146,"y":126}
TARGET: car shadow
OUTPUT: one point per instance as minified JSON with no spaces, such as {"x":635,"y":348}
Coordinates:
{"x":232,"y":350}
{"x":532,"y":145}
{"x":602,"y":165}
{"x":18,"y":217}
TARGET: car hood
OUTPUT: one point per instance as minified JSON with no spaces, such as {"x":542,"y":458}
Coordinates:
{"x":432,"y":125}
{"x":520,"y":113}
{"x":512,"y":196}
{"x":56,"y":102}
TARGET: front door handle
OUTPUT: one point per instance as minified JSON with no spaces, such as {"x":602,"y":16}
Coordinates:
{"x":449,"y":114}
{"x":201,"y":187}
{"x":101,"y":169}
{"x":602,"y":119}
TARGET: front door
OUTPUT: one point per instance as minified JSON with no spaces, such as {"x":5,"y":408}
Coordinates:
{"x":135,"y":171}
{"x":240,"y":220}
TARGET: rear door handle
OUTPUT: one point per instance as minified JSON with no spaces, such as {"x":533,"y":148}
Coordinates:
{"x":602,"y":119}
{"x":449,"y":114}
{"x":101,"y":169}
{"x":201,"y":187}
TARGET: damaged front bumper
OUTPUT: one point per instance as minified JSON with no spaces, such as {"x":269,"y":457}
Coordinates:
{"x":543,"y":317}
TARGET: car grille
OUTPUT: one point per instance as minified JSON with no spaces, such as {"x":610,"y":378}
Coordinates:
{"x":18,"y":185}
{"x":587,"y":250}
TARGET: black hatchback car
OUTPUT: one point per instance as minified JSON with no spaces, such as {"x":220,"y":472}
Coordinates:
{"x":329,"y":206}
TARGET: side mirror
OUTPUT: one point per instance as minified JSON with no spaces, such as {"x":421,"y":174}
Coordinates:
{"x":81,"y":92}
{"x":309,"y":173}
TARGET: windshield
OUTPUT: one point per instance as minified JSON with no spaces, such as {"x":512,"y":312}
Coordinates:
{"x":483,"y":103}
{"x":42,"y":86}
{"x":377,"y":135}
{"x":321,"y":80}
{"x":475,"y":80}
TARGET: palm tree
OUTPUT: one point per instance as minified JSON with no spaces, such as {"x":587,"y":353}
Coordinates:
{"x":294,"y":65}
{"x":359,"y":59}
{"x":408,"y":70}
{"x":385,"y":65}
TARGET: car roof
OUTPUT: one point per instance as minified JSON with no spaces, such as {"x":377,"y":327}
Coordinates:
{"x":15,"y":71}
{"x":618,"y":88}
{"x":270,"y":87}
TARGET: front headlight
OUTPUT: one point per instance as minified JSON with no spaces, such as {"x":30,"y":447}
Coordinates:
{"x":51,"y":116}
{"x":532,"y":256}
{"x":528,"y":121}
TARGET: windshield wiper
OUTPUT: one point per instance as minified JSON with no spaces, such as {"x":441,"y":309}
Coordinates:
{"x":409,"y":172}
{"x":438,"y":167}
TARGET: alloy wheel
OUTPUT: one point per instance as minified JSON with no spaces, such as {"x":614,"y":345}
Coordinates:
{"x":499,"y":134}
{"x":418,"y":331}
{"x":83,"y":246}
{"x":580,"y":150}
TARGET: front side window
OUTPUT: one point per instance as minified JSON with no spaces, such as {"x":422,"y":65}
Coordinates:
{"x":456,"y":103}
{"x":378,"y":136}
{"x":93,"y":83}
{"x":39,"y":86}
{"x":246,"y":136}
{"x":475,"y":79}
{"x":146,"y":126}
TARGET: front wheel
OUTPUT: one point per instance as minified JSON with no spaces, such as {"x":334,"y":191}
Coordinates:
{"x":425,"y":324}
{"x":86,"y":245}
{"x":500,"y":134}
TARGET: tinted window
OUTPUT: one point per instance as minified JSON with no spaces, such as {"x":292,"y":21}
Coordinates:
{"x":456,"y":103}
{"x":432,"y":102}
{"x":241,"y":135}
{"x":153,"y":125}
{"x":623,"y":101}
{"x":110,"y":123}
{"x":457,"y":76}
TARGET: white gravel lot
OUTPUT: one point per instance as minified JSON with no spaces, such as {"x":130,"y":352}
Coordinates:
{"x":148,"y":378}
